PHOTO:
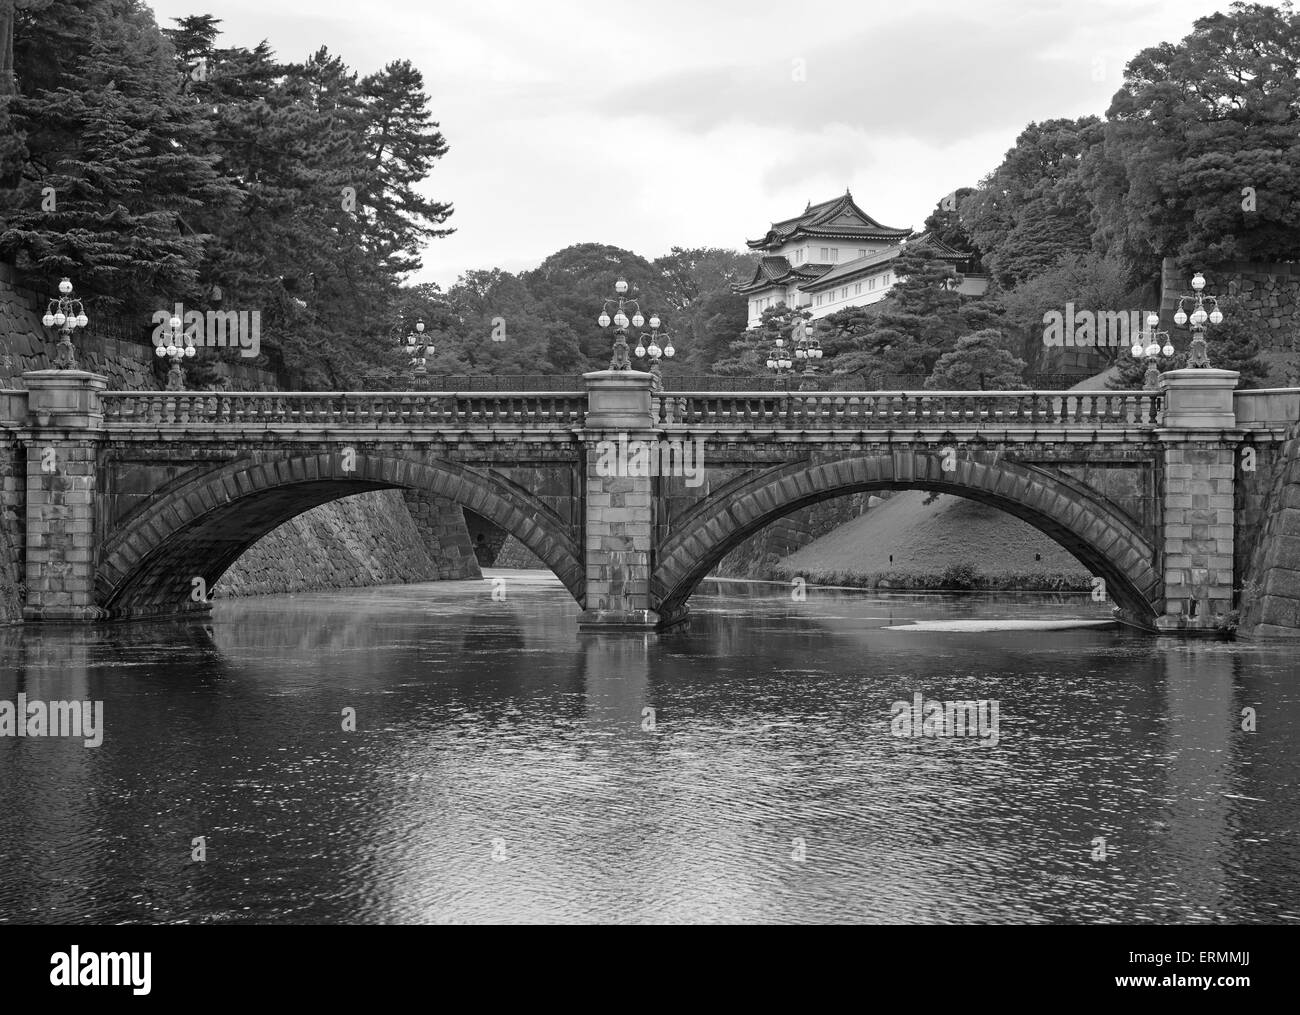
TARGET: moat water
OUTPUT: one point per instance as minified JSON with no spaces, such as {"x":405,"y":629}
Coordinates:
{"x":505,"y":767}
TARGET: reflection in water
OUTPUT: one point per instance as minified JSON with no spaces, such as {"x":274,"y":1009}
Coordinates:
{"x":505,"y":766}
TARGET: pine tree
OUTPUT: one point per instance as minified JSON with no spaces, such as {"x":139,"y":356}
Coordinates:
{"x":401,"y":145}
{"x":748,"y":354}
{"x":978,"y":363}
{"x":909,"y":330}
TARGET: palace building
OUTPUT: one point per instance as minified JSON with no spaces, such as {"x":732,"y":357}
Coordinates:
{"x":834,"y":256}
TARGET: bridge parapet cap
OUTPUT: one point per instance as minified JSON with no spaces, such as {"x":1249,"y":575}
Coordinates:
{"x":619,"y":400}
{"x":13,"y":406}
{"x":1199,"y":399}
{"x":1266,"y":406}
{"x":65,"y":398}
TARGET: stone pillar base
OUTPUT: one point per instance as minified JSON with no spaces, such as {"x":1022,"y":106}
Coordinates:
{"x":1203,"y":625}
{"x":629,"y":620}
{"x":63,"y":614}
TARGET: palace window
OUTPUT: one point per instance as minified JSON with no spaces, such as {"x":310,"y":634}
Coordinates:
{"x":819,"y":299}
{"x":844,"y":293}
{"x":871,"y":283}
{"x":862,"y":251}
{"x":826,"y":256}
{"x":835,"y":254}
{"x":886,"y":282}
{"x":857,"y":289}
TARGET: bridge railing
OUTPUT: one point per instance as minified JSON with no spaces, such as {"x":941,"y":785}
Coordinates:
{"x":13,"y":406}
{"x":1257,"y":408}
{"x":882,"y":410}
{"x":351,"y":409}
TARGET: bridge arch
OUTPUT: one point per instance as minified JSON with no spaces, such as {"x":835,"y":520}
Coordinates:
{"x":1105,"y":540}
{"x":201,"y":524}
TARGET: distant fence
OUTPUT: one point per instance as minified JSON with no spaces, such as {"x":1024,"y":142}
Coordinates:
{"x":915,"y":382}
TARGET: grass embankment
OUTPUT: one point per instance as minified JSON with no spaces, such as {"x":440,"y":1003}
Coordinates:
{"x":952,"y":543}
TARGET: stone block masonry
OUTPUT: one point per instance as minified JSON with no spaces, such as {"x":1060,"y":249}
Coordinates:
{"x":1270,"y":597}
{"x":1198,"y":535}
{"x":441,"y":526}
{"x":619,"y":532}
{"x":1269,"y":292}
{"x":60,"y":544}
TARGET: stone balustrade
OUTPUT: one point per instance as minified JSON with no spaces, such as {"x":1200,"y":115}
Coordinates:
{"x":344,"y":409}
{"x":868,"y":410}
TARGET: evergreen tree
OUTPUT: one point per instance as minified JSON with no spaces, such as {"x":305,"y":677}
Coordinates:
{"x":909,"y":330}
{"x":945,"y":224}
{"x":747,"y":355}
{"x":1033,"y":209}
{"x":978,"y":363}
{"x":1202,"y":145}
{"x":573,"y":284}
{"x":114,"y":159}
{"x":718,"y":319}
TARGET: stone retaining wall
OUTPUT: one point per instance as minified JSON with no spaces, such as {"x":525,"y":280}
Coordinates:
{"x":1268,"y":290}
{"x":441,"y":525}
{"x":26,"y":344}
{"x":1270,"y":598}
{"x":368,"y":539}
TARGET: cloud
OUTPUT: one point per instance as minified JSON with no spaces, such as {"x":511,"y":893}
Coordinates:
{"x":941,"y":80}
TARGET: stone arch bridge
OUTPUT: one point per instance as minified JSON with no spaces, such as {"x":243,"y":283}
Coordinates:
{"x":119,"y":501}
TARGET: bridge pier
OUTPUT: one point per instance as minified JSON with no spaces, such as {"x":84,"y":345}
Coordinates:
{"x":618,"y":439}
{"x":1199,"y":500}
{"x":65,"y":428}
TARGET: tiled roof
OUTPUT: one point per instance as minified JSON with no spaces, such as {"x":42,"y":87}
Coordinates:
{"x":777,"y":271}
{"x":819,"y":220}
{"x":941,"y":248}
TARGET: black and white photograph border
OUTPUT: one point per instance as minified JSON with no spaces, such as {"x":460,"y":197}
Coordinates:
{"x":606,"y":463}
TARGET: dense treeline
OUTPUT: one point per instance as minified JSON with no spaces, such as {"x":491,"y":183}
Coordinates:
{"x":183,"y":171}
{"x":156,"y":167}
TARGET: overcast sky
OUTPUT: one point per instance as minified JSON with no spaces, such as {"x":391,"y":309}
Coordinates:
{"x":698,"y":123}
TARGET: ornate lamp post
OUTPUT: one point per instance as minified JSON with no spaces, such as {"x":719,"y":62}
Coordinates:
{"x":1148,"y":345}
{"x":67,"y":314}
{"x":807,"y":349}
{"x":655,"y":352}
{"x":620,"y":360}
{"x":1197,"y":356}
{"x":179,"y":348}
{"x":419,"y":352}
{"x":778,"y":360}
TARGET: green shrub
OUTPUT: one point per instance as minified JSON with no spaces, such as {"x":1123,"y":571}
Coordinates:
{"x":960,"y":577}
